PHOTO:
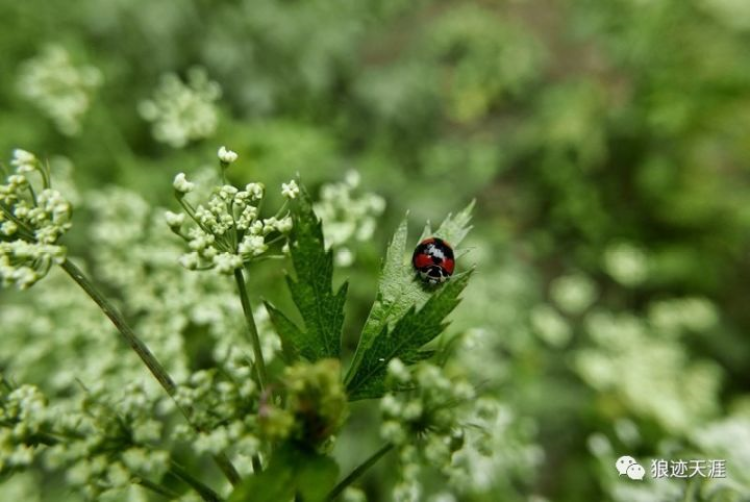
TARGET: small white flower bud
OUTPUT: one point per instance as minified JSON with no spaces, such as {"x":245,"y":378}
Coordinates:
{"x":226,"y":263}
{"x":190,"y":261}
{"x":23,"y":161}
{"x":227,"y":156}
{"x":22,"y":157}
{"x":344,"y":257}
{"x":8,"y":228}
{"x":390,"y":405}
{"x":253,"y":245}
{"x":255,"y":190}
{"x":352,"y":178}
{"x":256,"y":228}
{"x":284,"y":225}
{"x":290,"y":190}
{"x":393,"y":432}
{"x":412,"y":411}
{"x":269,"y":225}
{"x":174,"y":220}
{"x":398,"y":370}
{"x":181,"y":184}
{"x":227,"y":192}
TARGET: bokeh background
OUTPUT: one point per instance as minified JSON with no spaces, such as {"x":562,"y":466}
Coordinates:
{"x":607,"y":146}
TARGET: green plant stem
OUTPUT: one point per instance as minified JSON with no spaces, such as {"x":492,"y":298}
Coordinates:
{"x":204,"y":491}
{"x":260,"y":365}
{"x":127,"y":333}
{"x":690,"y":489}
{"x":257,"y":465}
{"x":156,"y":488}
{"x":144,"y":353}
{"x":358,"y":472}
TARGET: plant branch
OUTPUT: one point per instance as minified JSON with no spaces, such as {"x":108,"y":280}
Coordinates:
{"x":122,"y":326}
{"x":204,"y":491}
{"x":358,"y":472}
{"x":144,"y":353}
{"x":156,"y":488}
{"x":260,"y":365}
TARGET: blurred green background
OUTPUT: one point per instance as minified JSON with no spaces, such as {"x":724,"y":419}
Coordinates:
{"x":607,"y":146}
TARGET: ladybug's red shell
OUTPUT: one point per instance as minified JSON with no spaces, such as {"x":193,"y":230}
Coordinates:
{"x":433,"y":259}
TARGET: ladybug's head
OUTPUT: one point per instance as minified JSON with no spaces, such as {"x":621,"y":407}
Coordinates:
{"x":434,"y":274}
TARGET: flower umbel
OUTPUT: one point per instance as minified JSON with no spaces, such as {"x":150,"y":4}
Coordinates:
{"x":58,"y":88}
{"x":227,"y":230}
{"x":315,"y":405}
{"x":31,"y":222}
{"x":182,"y":112}
{"x":432,"y":412}
{"x":349,"y":217}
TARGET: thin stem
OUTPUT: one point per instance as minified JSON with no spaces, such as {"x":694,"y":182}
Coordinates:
{"x":156,"y":488}
{"x":23,"y":230}
{"x":122,"y":326}
{"x":144,"y":353}
{"x":690,"y":489}
{"x":260,"y":365}
{"x":204,"y":491}
{"x":257,"y":465}
{"x":227,"y":468}
{"x":358,"y":472}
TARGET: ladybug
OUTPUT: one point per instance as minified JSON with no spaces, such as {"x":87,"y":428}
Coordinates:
{"x":433,"y":259}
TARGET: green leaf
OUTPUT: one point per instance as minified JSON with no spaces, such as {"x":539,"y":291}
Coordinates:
{"x":415,"y":329}
{"x":292,"y":473}
{"x":288,"y":332}
{"x":399,"y":290}
{"x":322,"y":310}
{"x":454,"y":229}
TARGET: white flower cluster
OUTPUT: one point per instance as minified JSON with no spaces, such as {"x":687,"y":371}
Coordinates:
{"x":681,"y":392}
{"x":347,"y":218}
{"x":23,"y":416}
{"x":103,"y":444}
{"x":139,"y":256}
{"x":573,"y":293}
{"x":433,"y":412}
{"x":728,"y":438}
{"x":182,"y":112}
{"x":496,"y":449}
{"x":225,"y":407}
{"x":182,"y":316}
{"x":31,"y":222}
{"x":228,"y":231}
{"x":677,"y":315}
{"x":627,"y":264}
{"x":234,"y":358}
{"x":58,"y":88}
{"x":107,"y":440}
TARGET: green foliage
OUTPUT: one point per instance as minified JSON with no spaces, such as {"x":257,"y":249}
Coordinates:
{"x":406,"y":314}
{"x":404,"y":341}
{"x":605,"y":142}
{"x":291,"y":474}
{"x":321,"y":308}
{"x":400,"y":292}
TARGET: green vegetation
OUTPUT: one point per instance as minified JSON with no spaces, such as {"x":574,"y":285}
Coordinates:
{"x":598,"y":306}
